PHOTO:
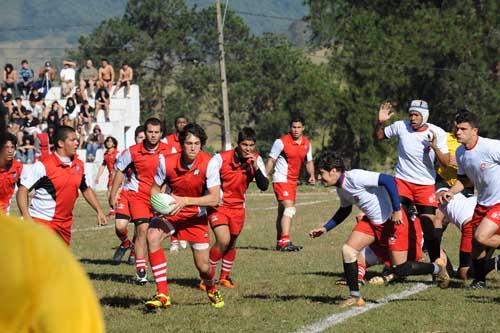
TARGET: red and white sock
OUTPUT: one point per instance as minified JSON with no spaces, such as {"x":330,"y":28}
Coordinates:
{"x":123,"y":236}
{"x":140,"y":263}
{"x":227,"y":263}
{"x":361,"y":271}
{"x":158,"y":262}
{"x":214,"y":258}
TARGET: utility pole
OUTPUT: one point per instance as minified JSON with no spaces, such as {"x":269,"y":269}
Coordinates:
{"x":222,"y":66}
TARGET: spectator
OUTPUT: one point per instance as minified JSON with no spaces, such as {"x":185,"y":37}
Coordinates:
{"x":18,"y":113}
{"x":88,"y":79}
{"x":106,"y":75}
{"x":10,"y":78}
{"x":46,"y":75}
{"x":95,"y":140}
{"x":125,"y":79}
{"x":31,"y":124}
{"x":25,"y":79}
{"x":78,"y":96}
{"x":80,"y":135}
{"x":67,"y":78}
{"x":36,"y":102}
{"x":26,"y":152}
{"x":71,"y":109}
{"x":87,"y":114}
{"x":6,"y":100}
{"x":102,"y":102}
{"x":53,"y":113}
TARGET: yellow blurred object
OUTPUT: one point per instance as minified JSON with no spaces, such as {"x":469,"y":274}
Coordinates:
{"x":43,"y":288}
{"x":449,"y":174}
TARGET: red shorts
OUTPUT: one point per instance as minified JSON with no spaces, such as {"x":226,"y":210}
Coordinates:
{"x":63,"y":229}
{"x":192,"y":229}
{"x":140,"y":207}
{"x":285,"y":191}
{"x":234,"y":217}
{"x":480,"y":212}
{"x":423,"y":195}
{"x":122,"y":210}
{"x":393,"y":237}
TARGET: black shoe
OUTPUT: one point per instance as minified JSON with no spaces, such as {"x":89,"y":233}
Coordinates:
{"x":289,"y":248}
{"x":141,"y":277}
{"x":477,"y":285}
{"x":119,"y":253}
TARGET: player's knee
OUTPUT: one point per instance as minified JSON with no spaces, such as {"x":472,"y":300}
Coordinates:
{"x":349,"y":254}
{"x":480,"y":237}
{"x":289,"y":212}
{"x":153,"y":237}
{"x":403,"y":269}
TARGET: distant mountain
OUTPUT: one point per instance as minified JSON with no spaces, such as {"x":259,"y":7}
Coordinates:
{"x":35,"y":19}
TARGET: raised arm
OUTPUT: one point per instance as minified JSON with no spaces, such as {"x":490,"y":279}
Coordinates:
{"x":385,"y":113}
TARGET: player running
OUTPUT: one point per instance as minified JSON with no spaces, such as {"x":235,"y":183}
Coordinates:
{"x":10,"y":170}
{"x":420,"y":143}
{"x":384,"y":222}
{"x":122,"y":212}
{"x":237,"y":168}
{"x":173,"y":139}
{"x":478,"y":162}
{"x":188,"y":176}
{"x":142,"y":161}
{"x":287,"y":155}
{"x":56,"y":181}
{"x":108,"y":161}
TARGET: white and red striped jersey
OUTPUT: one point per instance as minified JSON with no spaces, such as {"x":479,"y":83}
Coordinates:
{"x":289,"y":156}
{"x":459,"y":210}
{"x":481,"y":164}
{"x":56,"y":183}
{"x":415,"y":156}
{"x":360,"y":187}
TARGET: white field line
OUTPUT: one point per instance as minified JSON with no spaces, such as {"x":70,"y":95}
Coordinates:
{"x":112,"y":225}
{"x":338,"y":318}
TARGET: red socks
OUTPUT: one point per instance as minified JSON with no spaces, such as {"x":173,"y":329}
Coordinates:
{"x":284,"y":240}
{"x":159,"y":267}
{"x":227,"y":263}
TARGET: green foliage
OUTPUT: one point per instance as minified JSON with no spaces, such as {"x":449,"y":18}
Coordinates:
{"x":440,"y":51}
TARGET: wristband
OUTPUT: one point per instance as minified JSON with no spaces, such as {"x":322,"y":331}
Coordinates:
{"x":330,"y":225}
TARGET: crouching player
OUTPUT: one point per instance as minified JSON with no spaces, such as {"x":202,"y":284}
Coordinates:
{"x":459,"y":212}
{"x":187,"y":176}
{"x":237,"y":168}
{"x":384,"y":222}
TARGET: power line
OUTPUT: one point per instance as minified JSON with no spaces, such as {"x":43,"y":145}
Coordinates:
{"x":53,"y":27}
{"x":285,"y":18}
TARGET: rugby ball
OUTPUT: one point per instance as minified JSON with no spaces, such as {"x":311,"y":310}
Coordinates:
{"x":163,"y":203}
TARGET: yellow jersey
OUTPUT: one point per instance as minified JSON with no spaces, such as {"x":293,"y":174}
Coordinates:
{"x":449,"y":173}
{"x":44,"y":288}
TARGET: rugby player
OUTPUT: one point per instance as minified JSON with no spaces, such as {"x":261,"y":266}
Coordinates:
{"x":10,"y":170}
{"x":56,"y":181}
{"x":287,"y":155}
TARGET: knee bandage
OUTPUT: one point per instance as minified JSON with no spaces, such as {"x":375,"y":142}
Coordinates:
{"x":349,"y":254}
{"x":289,"y":212}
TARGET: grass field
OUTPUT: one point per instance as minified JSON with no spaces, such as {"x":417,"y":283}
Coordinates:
{"x":276,"y":291}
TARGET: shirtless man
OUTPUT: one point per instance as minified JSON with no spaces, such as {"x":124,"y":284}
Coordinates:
{"x":125,"y":79}
{"x":106,"y":75}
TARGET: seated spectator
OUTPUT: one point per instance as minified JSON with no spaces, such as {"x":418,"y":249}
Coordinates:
{"x":67,"y":78}
{"x":106,"y":75}
{"x":80,"y":135}
{"x":36,"y":103}
{"x":46,"y":76}
{"x":53,"y":119}
{"x":18,"y":112}
{"x":56,"y":108}
{"x":72,"y":110}
{"x":26,"y":151}
{"x":65,"y":121}
{"x":31,"y":124}
{"x":125,"y":80}
{"x":88,"y":79}
{"x":87,"y":114}
{"x":25,"y":79}
{"x":7,"y":100}
{"x":102,"y":102}
{"x":95,"y":140}
{"x":10,"y":78}
{"x":78,"y":96}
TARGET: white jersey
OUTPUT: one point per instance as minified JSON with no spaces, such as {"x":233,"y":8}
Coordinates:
{"x":415,"y":156}
{"x":459,"y":210}
{"x":360,"y":188}
{"x":482,"y":165}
